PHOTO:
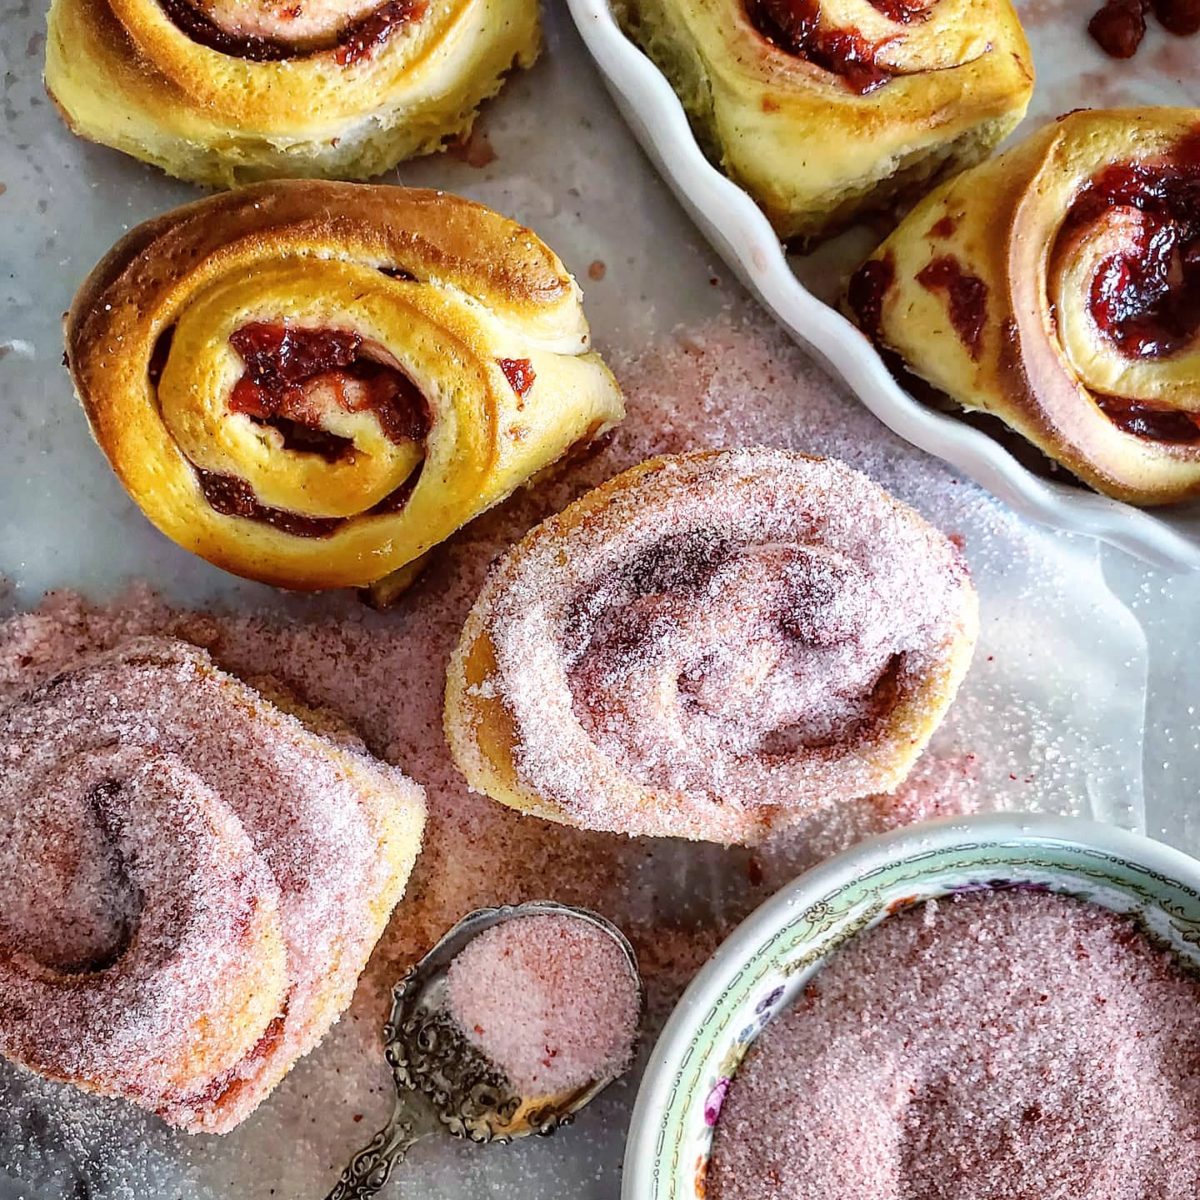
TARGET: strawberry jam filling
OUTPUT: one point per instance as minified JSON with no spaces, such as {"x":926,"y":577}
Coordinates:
{"x":520,"y":375}
{"x":293,"y":379}
{"x":1146,"y":301}
{"x":966,"y":298}
{"x":867,"y":289}
{"x":233,"y":497}
{"x":1161,"y":425}
{"x":795,"y":26}
{"x":903,"y":12}
{"x":294,"y":376}
{"x":357,"y":41}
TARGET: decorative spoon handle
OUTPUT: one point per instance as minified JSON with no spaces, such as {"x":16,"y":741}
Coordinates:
{"x":372,"y":1166}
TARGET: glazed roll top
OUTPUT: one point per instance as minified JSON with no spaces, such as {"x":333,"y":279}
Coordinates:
{"x":1058,"y":288}
{"x":312,"y":384}
{"x":191,"y":881}
{"x":822,"y":110}
{"x":224,"y":92}
{"x":710,"y":647}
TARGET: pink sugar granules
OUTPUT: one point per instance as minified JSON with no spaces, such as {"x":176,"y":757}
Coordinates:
{"x":549,"y":999}
{"x":728,"y":384}
{"x":993,"y":1046}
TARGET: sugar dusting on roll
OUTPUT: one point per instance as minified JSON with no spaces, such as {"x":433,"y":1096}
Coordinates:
{"x":711,"y":646}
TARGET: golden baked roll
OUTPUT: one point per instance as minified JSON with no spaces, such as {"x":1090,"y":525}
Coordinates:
{"x":824,"y":111}
{"x":1057,"y":288}
{"x":191,"y":881}
{"x":311,"y":384}
{"x":224,"y":91}
{"x":711,"y":646}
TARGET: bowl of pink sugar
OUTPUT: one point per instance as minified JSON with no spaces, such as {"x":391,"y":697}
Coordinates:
{"x":990,"y":1008}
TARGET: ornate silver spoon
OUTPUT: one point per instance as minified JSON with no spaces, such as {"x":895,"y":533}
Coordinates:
{"x":446,"y":1084}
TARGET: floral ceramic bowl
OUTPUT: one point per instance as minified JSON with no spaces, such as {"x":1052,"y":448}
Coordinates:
{"x":765,"y":963}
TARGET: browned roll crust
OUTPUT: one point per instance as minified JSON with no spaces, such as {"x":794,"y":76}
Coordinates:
{"x":311,"y":384}
{"x":224,"y":92}
{"x":824,"y":111}
{"x":1056,"y":288}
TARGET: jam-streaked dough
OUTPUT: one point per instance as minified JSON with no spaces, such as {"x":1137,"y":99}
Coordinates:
{"x":1057,"y":288}
{"x":711,"y":646}
{"x":192,"y":880}
{"x":311,"y":384}
{"x":826,"y":111}
{"x":223,"y":92}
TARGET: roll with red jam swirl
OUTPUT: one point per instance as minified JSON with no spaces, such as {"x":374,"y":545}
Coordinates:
{"x":223,"y":92}
{"x":711,"y":646}
{"x":311,"y":384}
{"x":1057,"y":288}
{"x":826,"y":110}
{"x":191,"y":881}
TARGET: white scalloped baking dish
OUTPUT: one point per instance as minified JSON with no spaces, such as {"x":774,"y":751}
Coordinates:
{"x":740,"y":233}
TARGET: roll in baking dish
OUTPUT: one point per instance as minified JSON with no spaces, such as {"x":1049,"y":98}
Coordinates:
{"x":711,"y":646}
{"x":311,"y":384}
{"x":193,"y":880}
{"x":1057,"y":288}
{"x":823,"y":112}
{"x":224,"y":92}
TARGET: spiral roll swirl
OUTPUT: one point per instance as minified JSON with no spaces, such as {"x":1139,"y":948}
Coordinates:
{"x":312,"y":384}
{"x":711,"y":646}
{"x":825,"y":109}
{"x":1058,"y":289}
{"x":225,"y":92}
{"x":191,"y":882}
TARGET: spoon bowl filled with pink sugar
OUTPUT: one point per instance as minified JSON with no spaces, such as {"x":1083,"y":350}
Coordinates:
{"x":549,"y":999}
{"x":509,"y":1026}
{"x":1001,"y":1007}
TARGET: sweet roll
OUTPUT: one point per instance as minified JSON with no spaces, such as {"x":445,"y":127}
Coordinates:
{"x":711,"y":646}
{"x":1057,"y":289}
{"x":311,"y":384}
{"x":192,"y":881}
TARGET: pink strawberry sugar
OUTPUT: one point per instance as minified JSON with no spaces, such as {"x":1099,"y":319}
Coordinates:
{"x":995,"y":1046}
{"x":549,"y":999}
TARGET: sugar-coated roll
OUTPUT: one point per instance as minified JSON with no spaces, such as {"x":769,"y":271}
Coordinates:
{"x":191,"y":881}
{"x":311,"y":384}
{"x":711,"y":646}
{"x":1057,"y":288}
{"x":825,"y":111}
{"x":225,"y":92}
